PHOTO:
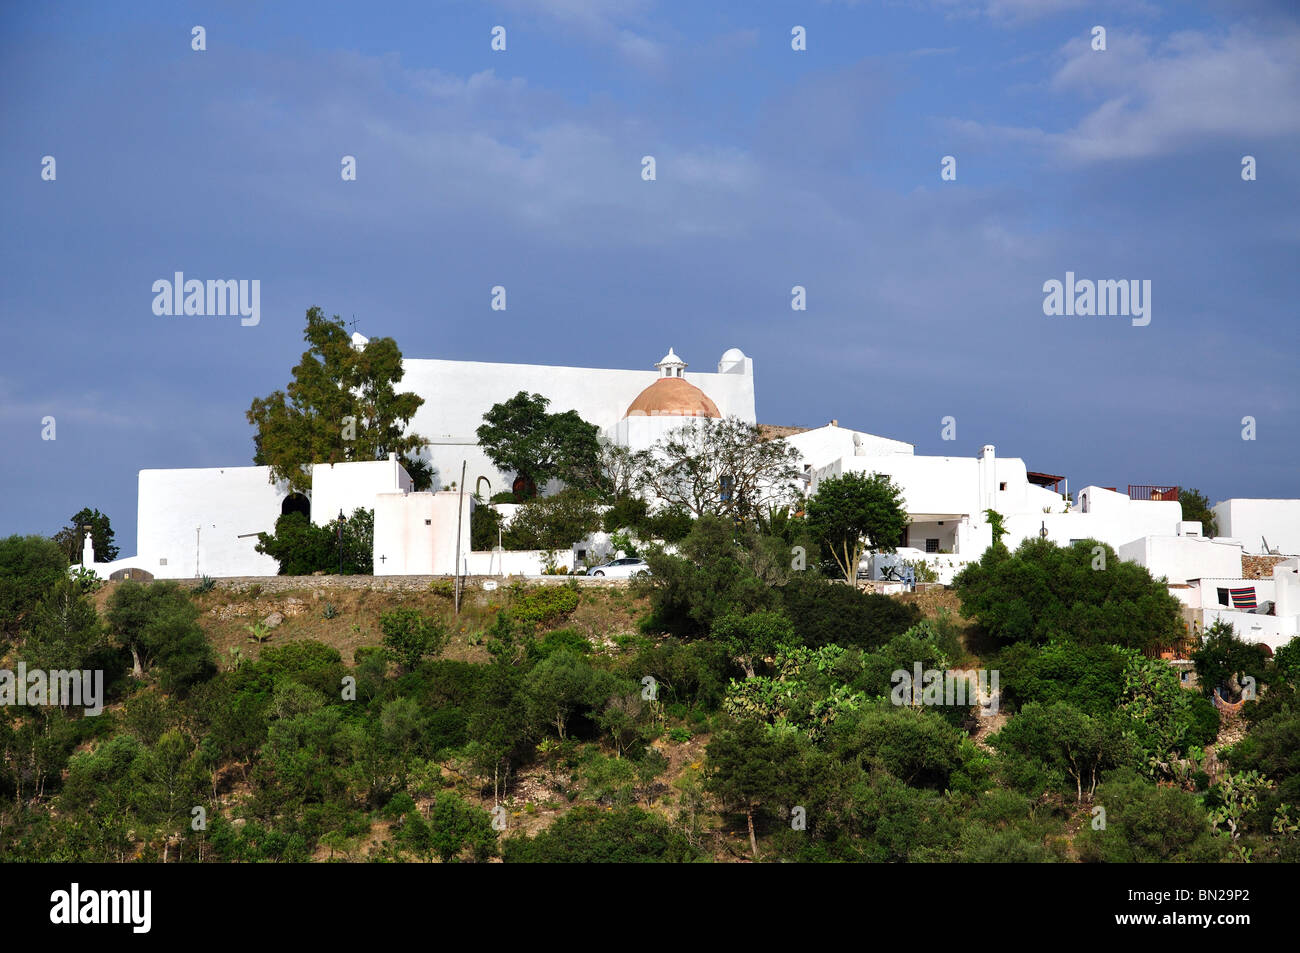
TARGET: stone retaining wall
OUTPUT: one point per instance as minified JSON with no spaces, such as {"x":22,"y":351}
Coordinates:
{"x":271,"y":584}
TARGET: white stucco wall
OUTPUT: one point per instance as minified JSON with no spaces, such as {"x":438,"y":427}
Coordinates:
{"x":194,"y":520}
{"x":457,"y":394}
{"x":415,"y":533}
{"x":1273,"y":631}
{"x":519,"y":562}
{"x":346,"y":486}
{"x":823,"y":445}
{"x":1180,"y":559}
{"x":1253,"y":521}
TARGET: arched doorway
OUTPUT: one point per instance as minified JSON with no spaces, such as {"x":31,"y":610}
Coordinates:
{"x":296,"y":503}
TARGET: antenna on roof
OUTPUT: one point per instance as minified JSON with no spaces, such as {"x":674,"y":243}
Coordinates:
{"x":353,"y":323}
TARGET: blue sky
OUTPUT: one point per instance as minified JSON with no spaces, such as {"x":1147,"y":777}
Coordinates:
{"x":775,"y":168}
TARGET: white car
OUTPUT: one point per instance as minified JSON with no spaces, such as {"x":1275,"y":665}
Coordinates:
{"x":621,"y":569}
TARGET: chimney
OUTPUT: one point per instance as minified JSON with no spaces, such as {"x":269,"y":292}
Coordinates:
{"x":835,"y":423}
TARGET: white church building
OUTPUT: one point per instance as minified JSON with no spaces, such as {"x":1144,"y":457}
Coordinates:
{"x":194,"y":522}
{"x":205,"y":521}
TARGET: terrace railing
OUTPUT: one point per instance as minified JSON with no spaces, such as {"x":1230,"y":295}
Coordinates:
{"x":1143,"y":492}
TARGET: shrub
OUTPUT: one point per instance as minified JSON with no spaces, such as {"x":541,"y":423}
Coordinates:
{"x":302,"y":548}
{"x":29,"y":567}
{"x":206,"y":584}
{"x":590,"y":835}
{"x":411,"y":636}
{"x":544,"y":605}
{"x":159,"y":624}
{"x":553,"y":522}
{"x":1149,"y":824}
{"x":830,"y":613}
{"x":1044,"y":592}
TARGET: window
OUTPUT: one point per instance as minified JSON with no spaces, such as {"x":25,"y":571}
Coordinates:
{"x":163,"y":561}
{"x":582,"y":554}
{"x":727,"y":483}
{"x":931,"y":545}
{"x":1002,"y":486}
{"x":428,"y":522}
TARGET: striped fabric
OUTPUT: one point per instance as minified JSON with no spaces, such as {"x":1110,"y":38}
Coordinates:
{"x":1243,"y":598}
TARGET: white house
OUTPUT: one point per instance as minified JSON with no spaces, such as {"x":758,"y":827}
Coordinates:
{"x":946,"y":499}
{"x":1185,"y":557}
{"x":1275,"y":617}
{"x":1256,"y":522}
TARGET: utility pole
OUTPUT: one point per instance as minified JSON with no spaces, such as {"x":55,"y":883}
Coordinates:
{"x":460,"y":511}
{"x":340,"y":540}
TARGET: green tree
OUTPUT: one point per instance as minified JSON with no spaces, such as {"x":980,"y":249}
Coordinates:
{"x":592,"y":836}
{"x":458,"y":827}
{"x":1196,"y":508}
{"x":520,"y":437}
{"x":412,"y":636}
{"x":748,"y":769}
{"x":1068,"y":742}
{"x":711,"y":575}
{"x":753,"y":636}
{"x":302,"y":548}
{"x":851,"y":512}
{"x":72,"y":539}
{"x":29,"y":568}
{"x":560,"y":686}
{"x":63,"y":630}
{"x":159,"y":624}
{"x":553,"y":522}
{"x":720,"y":468}
{"x":484,"y":522}
{"x":1149,"y":824}
{"x":342,"y":405}
{"x":1082,"y":593}
{"x":830,"y":613}
{"x":1223,"y":660}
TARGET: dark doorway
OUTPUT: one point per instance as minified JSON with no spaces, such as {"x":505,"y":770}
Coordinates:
{"x":296,"y":503}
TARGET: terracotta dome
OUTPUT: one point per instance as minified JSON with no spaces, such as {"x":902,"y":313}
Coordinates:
{"x":672,"y":397}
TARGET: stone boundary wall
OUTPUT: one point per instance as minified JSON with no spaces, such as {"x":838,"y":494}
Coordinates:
{"x":1259,"y":567}
{"x":272,"y":584}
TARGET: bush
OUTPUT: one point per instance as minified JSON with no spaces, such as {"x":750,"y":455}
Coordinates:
{"x":830,"y":613}
{"x":544,"y":605}
{"x":411,"y":636}
{"x":484,"y":522}
{"x":588,"y":835}
{"x":553,"y":522}
{"x":628,"y":513}
{"x":1044,"y":592}
{"x":1149,"y":824}
{"x":302,"y":548}
{"x":29,"y":567}
{"x":158,"y":622}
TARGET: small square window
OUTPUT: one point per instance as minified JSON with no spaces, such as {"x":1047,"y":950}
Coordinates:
{"x":162,"y":562}
{"x":931,"y":545}
{"x":1002,"y":486}
{"x":428,"y":522}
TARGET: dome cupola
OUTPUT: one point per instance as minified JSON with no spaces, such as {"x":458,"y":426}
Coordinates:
{"x":672,"y":395}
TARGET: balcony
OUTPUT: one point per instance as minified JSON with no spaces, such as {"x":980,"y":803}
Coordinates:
{"x":1142,"y":492}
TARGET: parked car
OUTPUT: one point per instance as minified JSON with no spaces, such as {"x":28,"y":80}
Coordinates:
{"x":621,"y":569}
